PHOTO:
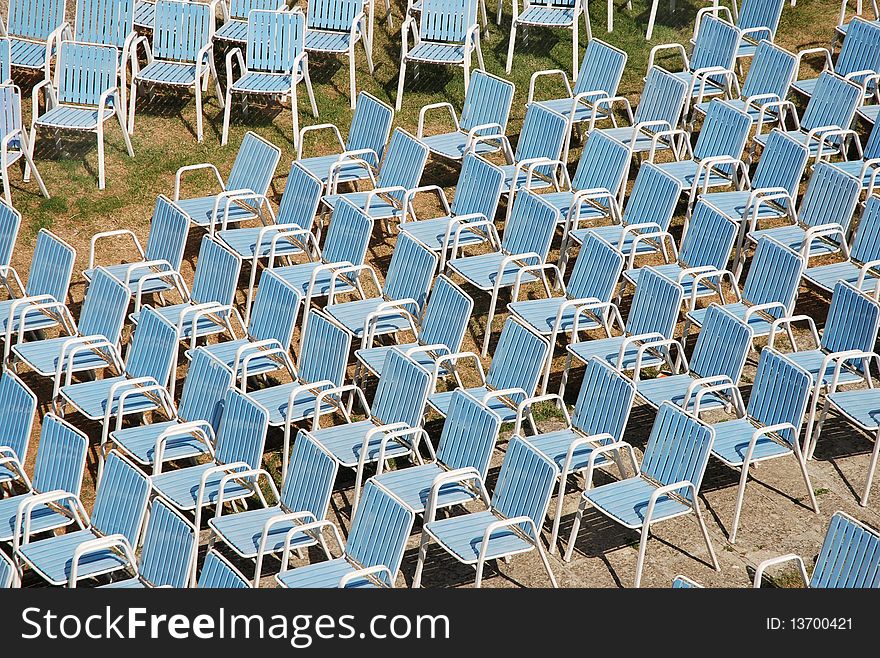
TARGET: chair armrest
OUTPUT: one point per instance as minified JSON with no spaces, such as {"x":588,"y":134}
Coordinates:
{"x":459,"y":475}
{"x":763,"y":308}
{"x":453,"y":360}
{"x":406,"y":308}
{"x":764,"y":565}
{"x":864,"y":269}
{"x":646,"y":338}
{"x":530,"y":401}
{"x":199,"y":429}
{"x":178,"y":176}
{"x":608,"y":104}
{"x":597,"y":451}
{"x":337,"y":391}
{"x":25,"y":510}
{"x":255,"y":474}
{"x":841,"y":133}
{"x":663,"y":491}
{"x":411,"y":194}
{"x":824,"y":231}
{"x":435,"y":106}
{"x":589,"y":307}
{"x":542,"y":268}
{"x":468,"y":223}
{"x":117,"y":541}
{"x":320,"y":126}
{"x":703,"y":274}
{"x":363,"y":574}
{"x":547,"y":73}
{"x":398,"y":433}
{"x":807,"y":52}
{"x":307,"y":528}
{"x":703,"y":386}
{"x":51,"y":101}
{"x":839,"y":359}
{"x":357,"y":270}
{"x":507,"y":523}
{"x":677,"y":47}
{"x":780,"y":322}
{"x":665,"y":342}
{"x":110,"y":234}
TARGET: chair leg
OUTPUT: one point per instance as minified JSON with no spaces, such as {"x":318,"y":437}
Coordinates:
{"x":557,"y":514}
{"x":479,"y":51}
{"x":643,"y":547}
{"x":100,"y":138}
{"x":420,"y":564}
{"x":611,"y":15}
{"x":740,"y":495}
{"x":400,"y":81}
{"x":500,"y":7}
{"x":811,"y":418}
{"x":198,"y":93}
{"x":7,"y":195}
{"x":368,"y":51}
{"x":226,"y":115}
{"x":510,"y":43}
{"x":873,"y":467}
{"x":706,"y":537}
{"x":802,"y":464}
{"x":574,"y":49}
{"x":30,"y":166}
{"x":651,"y":19}
{"x":32,"y":142}
{"x":132,"y":101}
{"x":352,"y":84}
{"x":488,"y":333}
{"x":294,"y":114}
{"x":546,"y":563}
{"x":309,"y":90}
{"x":588,"y":24}
{"x":572,"y":538}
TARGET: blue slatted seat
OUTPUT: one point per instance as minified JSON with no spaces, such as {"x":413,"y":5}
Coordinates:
{"x":235,"y":17}
{"x":552,"y":14}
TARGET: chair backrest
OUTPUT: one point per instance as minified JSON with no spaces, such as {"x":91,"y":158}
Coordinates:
{"x":7,"y":571}
{"x":760,"y":13}
{"x":524,"y":485}
{"x":403,"y":163}
{"x":121,"y":499}
{"x":61,"y":456}
{"x":543,"y":134}
{"x":309,"y":481}
{"x":410,"y":271}
{"x":655,"y":305}
{"x":715,"y":45}
{"x":204,"y":388}
{"x":348,"y":234}
{"x":601,"y":68}
{"x":241,"y":9}
{"x":446,"y":315}
{"x":531,"y":225}
{"x":866,"y":241}
{"x":782,"y":163}
{"x":678,"y":448}
{"x":254,"y":164}
{"x":299,"y":203}
{"x":334,"y":15}
{"x":10,"y":222}
{"x":51,"y":267}
{"x":35,"y":19}
{"x":324,"y":352}
{"x":478,"y":189}
{"x":604,"y":164}
{"x":370,"y":127}
{"x":218,"y":573}
{"x":780,"y":392}
{"x":242,"y":432}
{"x":604,"y":401}
{"x":852,"y":322}
{"x":722,"y":345}
{"x":872,"y":146}
{"x":276,"y":38}
{"x":724,"y":132}
{"x":774,"y":275}
{"x":517,"y":360}
{"x":217,"y":270}
{"x":402,"y":390}
{"x":169,"y":542}
{"x":169,"y":228}
{"x":10,"y":100}
{"x":182,"y":29}
{"x":487,"y":101}
{"x":447,"y":20}
{"x":830,"y":198}
{"x":276,"y":306}
{"x":860,"y":50}
{"x":469,"y":434}
{"x":153,"y":347}
{"x":653,"y":197}
{"x":771,"y":71}
{"x":850,"y":555}
{"x":833,"y":103}
{"x":108,"y":22}
{"x":18,"y":404}
{"x":104,"y":306}
{"x":5,"y":61}
{"x":708,"y":239}
{"x":682,"y":582}
{"x":662,"y":98}
{"x":596,"y":270}
{"x":84,"y":71}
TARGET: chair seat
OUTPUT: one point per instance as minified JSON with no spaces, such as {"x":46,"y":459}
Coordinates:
{"x":437,"y":53}
{"x":374,"y":357}
{"x":243,"y":241}
{"x":811,"y":361}
{"x":258,"y":82}
{"x":243,"y":531}
{"x":225,"y":353}
{"x":352,"y":315}
{"x":345,"y":442}
{"x":507,"y":413}
{"x":27,"y":54}
{"x":793,"y":238}
{"x":740,"y":104}
{"x":43,"y":518}
{"x":540,"y":314}
{"x":746,"y":49}
{"x":275,"y":399}
{"x":805,"y":87}
{"x":608,"y":349}
{"x":869,"y":113}
{"x":732,"y":439}
{"x":674,"y":388}
{"x":134,"y":273}
{"x":827,"y":276}
{"x":177,"y":74}
{"x":181,"y":487}
{"x":759,"y":322}
{"x":327,"y":41}
{"x":206,"y":325}
{"x":200,"y":210}
{"x":432,"y":232}
{"x":549,"y":16}
{"x":672,"y":271}
{"x":128,"y":583}
{"x":463,"y":537}
{"x":452,"y":145}
{"x":637,"y":142}
{"x":855,"y":168}
{"x":413,"y":486}
{"x":482,"y":270}
{"x":562,"y":202}
{"x":713,"y":84}
{"x":686,"y":171}
{"x":380,"y":207}
{"x":801,"y":138}
{"x":626,"y":501}
{"x":299,"y":276}
{"x":554,"y":445}
{"x":53,"y":557}
{"x":43,"y":355}
{"x":35,"y":321}
{"x":319,"y":167}
{"x":232,"y":30}
{"x":90,"y":398}
{"x":613,"y":235}
{"x":321,"y":575}
{"x":734,"y":205}
{"x":582,"y":112}
{"x":144,"y":14}
{"x":139,"y":441}
{"x":73,"y":117}
{"x":862,"y":406}
{"x":509,"y":183}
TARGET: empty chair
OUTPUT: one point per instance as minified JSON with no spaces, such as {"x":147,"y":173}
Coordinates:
{"x":14,"y":143}
{"x":510,"y":524}
{"x":549,"y":14}
{"x":666,"y":485}
{"x":757,"y":21}
{"x":275,"y":62}
{"x":843,"y":22}
{"x":34,"y":29}
{"x":18,"y":404}
{"x":235,"y":14}
{"x":866,"y":165}
{"x":219,"y":573}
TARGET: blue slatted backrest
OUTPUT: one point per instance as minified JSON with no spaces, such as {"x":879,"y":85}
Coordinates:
{"x":554,"y":3}
{"x":104,"y":21}
{"x":7,"y":571}
{"x":182,"y":29}
{"x":370,"y":127}
{"x":833,"y":103}
{"x":830,"y":198}
{"x":447,"y":20}
{"x":348,"y":234}
{"x":276,"y":306}
{"x":401,"y":391}
{"x":446,"y":315}
{"x":724,"y":132}
{"x":18,"y":404}
{"x":169,"y":228}
{"x":410,"y":271}
{"x":51,"y":266}
{"x":10,"y":100}
{"x":35,"y":19}
{"x":716,"y":44}
{"x":403,"y":164}
{"x":10,"y":222}
{"x":104,"y":306}
{"x":543,"y":134}
{"x":254,"y":164}
{"x":121,"y":499}
{"x":61,"y":456}
{"x":242,"y":8}
{"x":469,"y":434}
{"x":760,"y":13}
{"x":168,"y":547}
{"x":524,"y":484}
{"x":275,"y":39}
{"x":218,"y":573}
{"x":216,"y":274}
{"x":866,"y":242}
{"x":872,"y":146}
{"x":336,"y":15}
{"x":310,"y":478}
{"x":5,"y":60}
{"x":596,"y":270}
{"x":653,"y":197}
{"x":709,"y":238}
{"x":604,"y":164}
{"x":324,"y":353}
{"x":478,"y":189}
{"x":242,"y":432}
{"x":517,"y":360}
{"x":487,"y":100}
{"x":774,"y":276}
{"x":850,"y":555}
{"x":152,"y":349}
{"x":782,"y":163}
{"x":601,"y":68}
{"x":861,"y":48}
{"x":722,"y":346}
{"x":531,"y":226}
{"x":85,"y":71}
{"x":852,"y":320}
{"x":604,"y":401}
{"x":678,"y":448}
{"x":299,"y":203}
{"x":204,"y":389}
{"x":662,"y":98}
{"x":780,"y":392}
{"x":771,"y":71}
{"x":655,"y":305}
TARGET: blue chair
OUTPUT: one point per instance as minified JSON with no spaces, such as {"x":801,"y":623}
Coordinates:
{"x":843,"y":22}
{"x":34,"y":29}
{"x":683,"y":582}
{"x":169,"y":544}
{"x":448,"y":33}
{"x":10,"y":223}
{"x":219,"y":573}
{"x":510,"y":524}
{"x":866,"y":165}
{"x":235,"y":14}
{"x":372,"y":555}
{"x":592,"y":281}
{"x":550,"y":14}
{"x":191,"y":427}
{"x":438,"y":331}
{"x":181,"y":56}
{"x":367,"y":135}
{"x":304,"y":498}
{"x":757,"y":21}
{"x":14,"y":143}
{"x":102,"y":544}
{"x":513,"y":375}
{"x":268,"y":68}
{"x":18,"y":404}
{"x":8,"y":573}
{"x":82,"y":97}
{"x":144,"y":14}
{"x":592,"y":437}
{"x":666,"y":485}
{"x":849,"y":557}
{"x":251,"y":175}
{"x":485,"y":111}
